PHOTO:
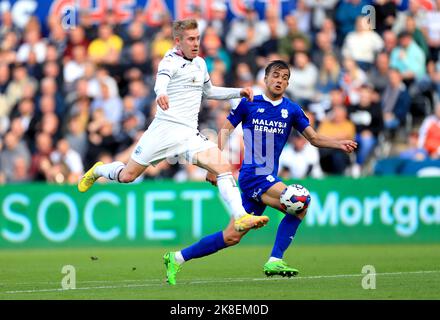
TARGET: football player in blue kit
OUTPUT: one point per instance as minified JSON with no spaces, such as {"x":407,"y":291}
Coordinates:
{"x":267,"y":122}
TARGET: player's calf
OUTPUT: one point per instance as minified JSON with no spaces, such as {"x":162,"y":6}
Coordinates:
{"x":126,"y":176}
{"x":120,"y":172}
{"x":232,"y":237}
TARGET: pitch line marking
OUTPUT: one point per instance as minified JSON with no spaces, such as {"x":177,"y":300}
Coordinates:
{"x":226,"y":280}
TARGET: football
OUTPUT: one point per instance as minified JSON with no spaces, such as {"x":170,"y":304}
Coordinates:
{"x":295,"y":198}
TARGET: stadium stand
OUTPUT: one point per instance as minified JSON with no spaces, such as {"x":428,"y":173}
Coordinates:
{"x":71,"y":97}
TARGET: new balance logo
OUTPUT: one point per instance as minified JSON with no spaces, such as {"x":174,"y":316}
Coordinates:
{"x":260,"y":110}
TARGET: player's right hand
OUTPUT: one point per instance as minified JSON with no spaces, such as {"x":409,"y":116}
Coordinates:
{"x":348,"y":145}
{"x":162,"y":102}
{"x":211,"y":178}
{"x":247,"y":93}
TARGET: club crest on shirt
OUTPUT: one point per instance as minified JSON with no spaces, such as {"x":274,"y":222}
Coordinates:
{"x":138,"y":150}
{"x":284,"y":113}
{"x":196,"y":78}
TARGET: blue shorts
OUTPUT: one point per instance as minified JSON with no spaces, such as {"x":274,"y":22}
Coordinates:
{"x":252,"y":187}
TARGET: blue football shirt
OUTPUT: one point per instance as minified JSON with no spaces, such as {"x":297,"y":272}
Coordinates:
{"x":266,"y":128}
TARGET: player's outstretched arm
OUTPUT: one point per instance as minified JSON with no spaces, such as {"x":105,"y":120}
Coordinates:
{"x":224,"y":134}
{"x":320,"y":141}
{"x":223,"y":137}
{"x":223,"y":93}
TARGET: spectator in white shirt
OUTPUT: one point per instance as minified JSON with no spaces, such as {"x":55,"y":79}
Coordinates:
{"x":75,"y":68}
{"x":305,"y":77}
{"x":112,"y":106}
{"x":32,"y":43}
{"x":431,"y":28}
{"x":95,"y":76}
{"x":64,"y":155}
{"x":299,"y":159}
{"x":362,"y":44}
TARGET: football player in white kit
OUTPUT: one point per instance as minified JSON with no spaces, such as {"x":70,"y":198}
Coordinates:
{"x":182,"y":80}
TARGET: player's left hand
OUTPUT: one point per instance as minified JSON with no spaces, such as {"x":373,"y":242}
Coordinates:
{"x":247,"y":93}
{"x":211,"y":178}
{"x":348,"y":145}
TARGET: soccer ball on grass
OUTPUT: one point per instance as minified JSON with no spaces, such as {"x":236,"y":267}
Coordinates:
{"x":295,"y":198}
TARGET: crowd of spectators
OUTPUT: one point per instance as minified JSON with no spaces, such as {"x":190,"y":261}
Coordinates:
{"x":81,"y":94}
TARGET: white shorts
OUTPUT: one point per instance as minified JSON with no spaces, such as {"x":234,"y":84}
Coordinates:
{"x":168,"y":140}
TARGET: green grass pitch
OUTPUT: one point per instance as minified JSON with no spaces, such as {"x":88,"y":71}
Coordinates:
{"x":326,"y":272}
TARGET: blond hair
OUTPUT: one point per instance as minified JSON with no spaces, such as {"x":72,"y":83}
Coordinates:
{"x":181,"y":25}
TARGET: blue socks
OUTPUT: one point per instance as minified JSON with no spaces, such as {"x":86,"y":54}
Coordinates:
{"x":205,"y":246}
{"x":214,"y":242}
{"x":286,"y":232}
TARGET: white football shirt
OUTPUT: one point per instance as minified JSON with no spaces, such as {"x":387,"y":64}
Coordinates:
{"x":185,"y":88}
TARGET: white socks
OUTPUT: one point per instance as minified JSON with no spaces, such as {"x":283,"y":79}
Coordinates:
{"x":110,"y":171}
{"x":272,"y":259}
{"x":179,"y":258}
{"x":230,"y":194}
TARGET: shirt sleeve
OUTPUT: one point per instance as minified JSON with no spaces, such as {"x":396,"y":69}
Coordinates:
{"x":206,"y":77}
{"x":166,"y":67}
{"x":238,"y":114}
{"x":165,"y":72}
{"x":219,"y":93}
{"x":161,"y":85}
{"x":300,"y":120}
